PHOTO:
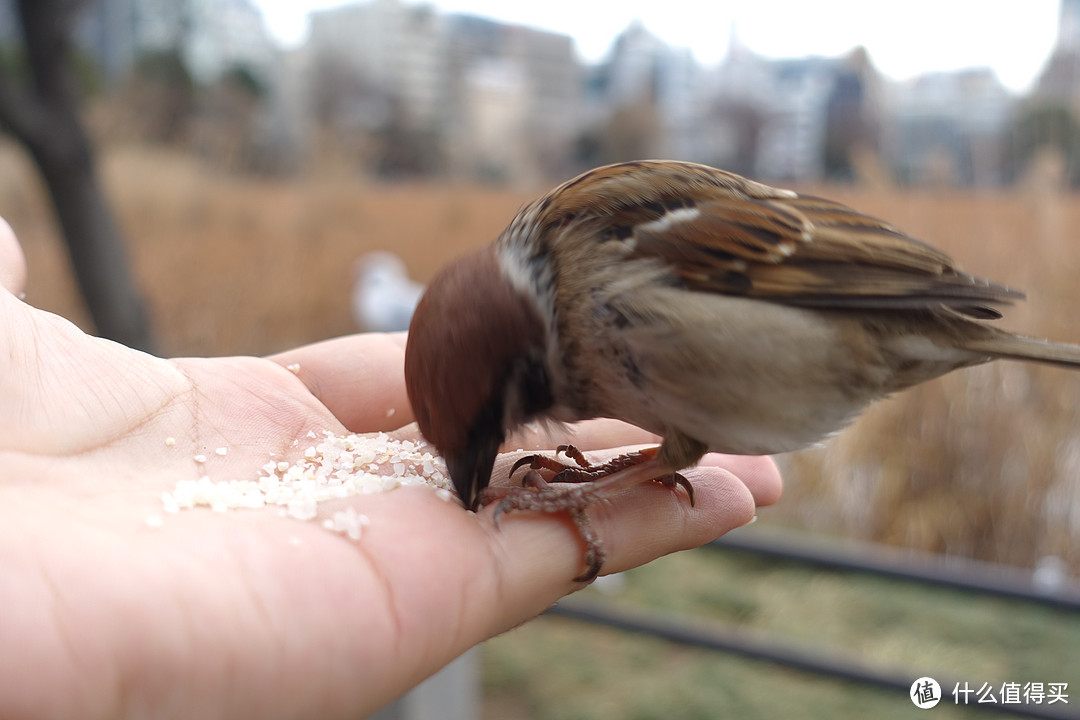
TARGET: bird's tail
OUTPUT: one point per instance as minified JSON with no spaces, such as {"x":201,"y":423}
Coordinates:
{"x":1008,"y":346}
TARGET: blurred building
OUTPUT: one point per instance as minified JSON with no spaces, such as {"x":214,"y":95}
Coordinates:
{"x":1047,"y":123}
{"x":643,"y":98}
{"x":514,"y":99}
{"x":793,"y":131}
{"x":736,"y":96}
{"x":391,"y":47}
{"x":211,"y":36}
{"x":488,"y":139}
{"x":795,"y":119}
{"x":493,"y":101}
{"x":948,"y":128}
{"x":400,"y":89}
{"x":1060,"y":78}
{"x":220,"y":35}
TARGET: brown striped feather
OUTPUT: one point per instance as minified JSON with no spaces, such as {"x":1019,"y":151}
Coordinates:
{"x":750,"y":239}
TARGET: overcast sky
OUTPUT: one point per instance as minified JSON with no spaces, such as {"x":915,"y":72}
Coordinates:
{"x":903,"y":38}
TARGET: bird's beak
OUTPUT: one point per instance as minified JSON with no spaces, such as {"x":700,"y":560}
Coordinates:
{"x":471,"y":470}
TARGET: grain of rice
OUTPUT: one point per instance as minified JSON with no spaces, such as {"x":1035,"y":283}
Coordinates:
{"x":332,"y":468}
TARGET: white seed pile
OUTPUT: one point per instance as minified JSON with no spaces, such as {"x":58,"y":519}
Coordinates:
{"x":334,"y":467}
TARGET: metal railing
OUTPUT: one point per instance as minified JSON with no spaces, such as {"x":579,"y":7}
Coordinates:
{"x":965,"y":575}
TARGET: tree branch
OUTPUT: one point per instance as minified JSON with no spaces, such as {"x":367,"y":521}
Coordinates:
{"x":45,"y":117}
{"x":20,"y":111}
{"x":47,"y":27}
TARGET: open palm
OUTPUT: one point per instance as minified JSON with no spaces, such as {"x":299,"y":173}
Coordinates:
{"x":249,"y":613}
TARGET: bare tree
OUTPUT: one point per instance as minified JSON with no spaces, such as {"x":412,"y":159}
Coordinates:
{"x":43,"y":114}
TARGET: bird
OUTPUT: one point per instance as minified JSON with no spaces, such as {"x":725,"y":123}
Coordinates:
{"x":383,"y":296}
{"x":719,"y":313}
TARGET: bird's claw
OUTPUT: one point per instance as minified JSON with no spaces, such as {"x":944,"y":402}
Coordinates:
{"x":678,"y":479}
{"x":536,"y":495}
{"x":587,"y":472}
{"x":543,"y":462}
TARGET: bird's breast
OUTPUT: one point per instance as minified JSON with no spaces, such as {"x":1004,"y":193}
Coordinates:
{"x":738,"y":375}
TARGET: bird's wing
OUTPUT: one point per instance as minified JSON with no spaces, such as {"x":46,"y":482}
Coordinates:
{"x":721,"y":233}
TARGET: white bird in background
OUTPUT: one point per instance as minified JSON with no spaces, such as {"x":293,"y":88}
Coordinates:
{"x":383,"y":296}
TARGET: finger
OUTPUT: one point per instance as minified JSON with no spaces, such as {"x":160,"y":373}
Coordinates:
{"x":359,"y":378}
{"x":588,"y":435}
{"x":536,"y":555}
{"x":653,"y":520}
{"x":759,"y":474}
{"x":490,"y":579}
{"x":12,"y":261}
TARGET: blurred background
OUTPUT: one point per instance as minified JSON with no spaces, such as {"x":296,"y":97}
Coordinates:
{"x":236,"y":161}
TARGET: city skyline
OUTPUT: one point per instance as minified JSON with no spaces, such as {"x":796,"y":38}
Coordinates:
{"x":903,"y":40}
{"x":414,"y":89}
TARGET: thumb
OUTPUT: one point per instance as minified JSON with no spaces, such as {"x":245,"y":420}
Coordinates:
{"x":12,"y":261}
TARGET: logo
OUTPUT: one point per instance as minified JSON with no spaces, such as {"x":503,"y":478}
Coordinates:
{"x":925,"y":693}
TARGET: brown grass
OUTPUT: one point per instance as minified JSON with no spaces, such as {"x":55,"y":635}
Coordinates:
{"x":239,"y":265}
{"x":984,"y":463}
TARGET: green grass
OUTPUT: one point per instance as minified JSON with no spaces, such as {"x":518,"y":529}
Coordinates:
{"x":562,"y":669}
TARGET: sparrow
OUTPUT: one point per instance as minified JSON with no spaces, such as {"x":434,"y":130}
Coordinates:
{"x":719,"y":313}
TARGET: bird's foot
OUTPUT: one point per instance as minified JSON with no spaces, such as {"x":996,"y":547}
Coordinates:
{"x":585,"y":471}
{"x":592,"y":483}
{"x":537,"y":495}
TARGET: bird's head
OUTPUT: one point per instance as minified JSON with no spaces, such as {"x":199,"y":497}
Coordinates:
{"x":475,"y":366}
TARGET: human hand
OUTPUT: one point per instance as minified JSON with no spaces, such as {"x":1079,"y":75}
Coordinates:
{"x":248,"y":613}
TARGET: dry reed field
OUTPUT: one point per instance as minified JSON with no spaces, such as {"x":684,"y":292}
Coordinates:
{"x":985,"y":463}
